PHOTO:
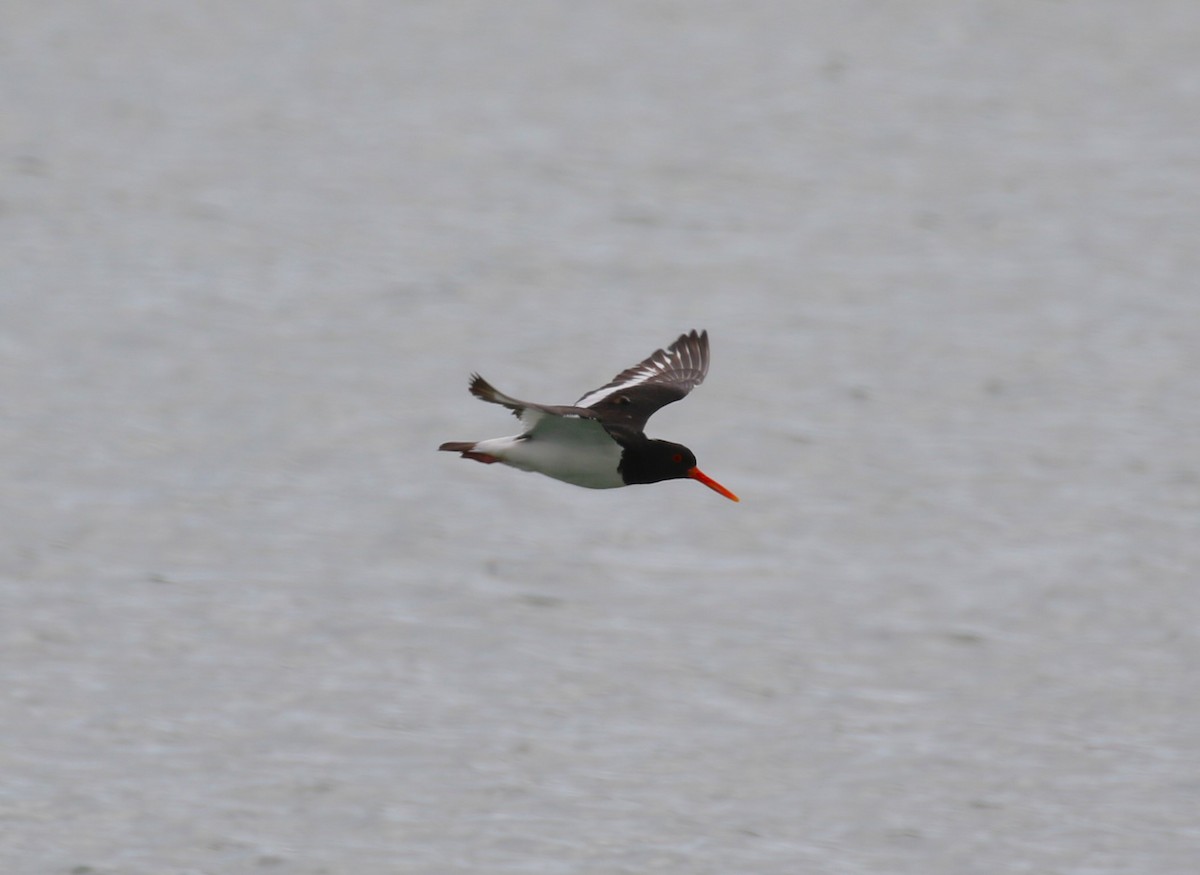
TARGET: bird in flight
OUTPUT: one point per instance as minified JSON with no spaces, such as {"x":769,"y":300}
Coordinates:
{"x":599,"y":442}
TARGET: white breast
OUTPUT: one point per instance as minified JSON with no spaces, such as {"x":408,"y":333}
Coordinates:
{"x":567,"y":448}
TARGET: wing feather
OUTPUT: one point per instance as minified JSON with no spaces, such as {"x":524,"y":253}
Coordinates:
{"x":528,"y":412}
{"x":627,"y":401}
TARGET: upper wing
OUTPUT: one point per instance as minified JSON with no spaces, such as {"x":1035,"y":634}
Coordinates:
{"x":526,"y":411}
{"x":635,"y":394}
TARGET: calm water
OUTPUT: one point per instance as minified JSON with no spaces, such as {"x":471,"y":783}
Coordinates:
{"x":253,"y":622}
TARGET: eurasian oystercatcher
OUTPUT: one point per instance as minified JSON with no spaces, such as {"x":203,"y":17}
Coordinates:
{"x":598,"y":442}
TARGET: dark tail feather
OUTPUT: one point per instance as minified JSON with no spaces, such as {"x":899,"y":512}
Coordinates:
{"x":467,"y":448}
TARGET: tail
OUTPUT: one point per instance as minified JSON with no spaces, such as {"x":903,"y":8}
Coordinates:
{"x":467,"y":448}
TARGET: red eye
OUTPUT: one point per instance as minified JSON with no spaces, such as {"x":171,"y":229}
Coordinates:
{"x":677,"y":458}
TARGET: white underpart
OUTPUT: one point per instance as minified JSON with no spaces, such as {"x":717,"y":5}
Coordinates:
{"x":567,"y":448}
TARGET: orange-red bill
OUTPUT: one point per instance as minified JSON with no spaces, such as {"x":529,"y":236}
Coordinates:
{"x":697,"y":474}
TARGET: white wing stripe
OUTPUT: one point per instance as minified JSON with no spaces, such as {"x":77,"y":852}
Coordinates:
{"x":657,"y":365}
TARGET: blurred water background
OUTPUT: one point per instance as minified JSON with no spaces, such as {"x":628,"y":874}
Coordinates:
{"x":253,"y":622}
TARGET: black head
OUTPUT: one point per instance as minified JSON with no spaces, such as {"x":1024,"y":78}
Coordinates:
{"x":651,"y":461}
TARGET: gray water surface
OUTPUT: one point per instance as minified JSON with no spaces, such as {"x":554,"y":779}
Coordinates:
{"x":253,"y":622}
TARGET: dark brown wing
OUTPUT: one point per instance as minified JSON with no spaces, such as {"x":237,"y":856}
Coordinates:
{"x":526,"y":411}
{"x":626,"y":402}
